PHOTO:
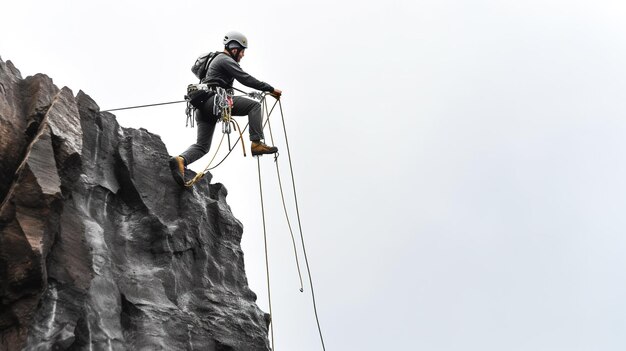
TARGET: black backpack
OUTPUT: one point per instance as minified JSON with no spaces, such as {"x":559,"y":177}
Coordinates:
{"x":201,"y":66}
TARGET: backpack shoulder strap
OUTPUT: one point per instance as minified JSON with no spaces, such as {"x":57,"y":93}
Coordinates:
{"x":208,"y":63}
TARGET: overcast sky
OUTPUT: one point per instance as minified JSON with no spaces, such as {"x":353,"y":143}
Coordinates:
{"x":460,"y":164}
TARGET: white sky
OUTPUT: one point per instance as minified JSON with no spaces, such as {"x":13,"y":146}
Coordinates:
{"x":460,"y":164}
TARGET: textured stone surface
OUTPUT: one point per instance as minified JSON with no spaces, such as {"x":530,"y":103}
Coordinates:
{"x":99,"y":249}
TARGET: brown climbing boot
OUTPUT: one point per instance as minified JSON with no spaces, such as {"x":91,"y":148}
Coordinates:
{"x":259,"y":148}
{"x":177,"y":166}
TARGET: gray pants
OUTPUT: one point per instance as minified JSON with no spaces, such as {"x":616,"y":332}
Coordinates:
{"x":206,"y":120}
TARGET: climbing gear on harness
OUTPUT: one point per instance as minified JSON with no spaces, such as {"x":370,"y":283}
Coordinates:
{"x":259,"y":148}
{"x":197,"y":94}
{"x":177,"y":166}
{"x":255,"y":95}
{"x":223,"y":107}
{"x":236,"y":37}
{"x":222,"y":102}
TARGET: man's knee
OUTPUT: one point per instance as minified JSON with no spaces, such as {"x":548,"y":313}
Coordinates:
{"x":256,"y":109}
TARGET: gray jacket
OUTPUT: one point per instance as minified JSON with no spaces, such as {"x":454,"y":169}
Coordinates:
{"x":225,"y":69}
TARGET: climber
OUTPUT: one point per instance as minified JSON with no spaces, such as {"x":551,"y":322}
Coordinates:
{"x":224,"y":69}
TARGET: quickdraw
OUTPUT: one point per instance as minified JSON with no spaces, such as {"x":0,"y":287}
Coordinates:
{"x":223,"y":106}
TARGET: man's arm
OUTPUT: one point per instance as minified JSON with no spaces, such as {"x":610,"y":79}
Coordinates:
{"x":234,"y":70}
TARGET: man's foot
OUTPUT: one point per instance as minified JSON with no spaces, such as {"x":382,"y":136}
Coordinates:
{"x":259,"y":148}
{"x":177,"y":166}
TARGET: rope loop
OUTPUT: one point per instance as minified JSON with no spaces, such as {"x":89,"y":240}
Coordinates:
{"x":195,"y":179}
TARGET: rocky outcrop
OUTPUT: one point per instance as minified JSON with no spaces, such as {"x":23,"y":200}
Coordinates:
{"x":99,"y":248}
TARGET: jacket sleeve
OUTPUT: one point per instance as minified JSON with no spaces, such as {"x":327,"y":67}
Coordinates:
{"x":235,"y":71}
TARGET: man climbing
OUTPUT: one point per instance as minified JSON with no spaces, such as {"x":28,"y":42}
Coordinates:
{"x":223,"y":70}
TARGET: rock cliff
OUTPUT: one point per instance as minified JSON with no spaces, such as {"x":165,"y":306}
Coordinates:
{"x":99,"y":248}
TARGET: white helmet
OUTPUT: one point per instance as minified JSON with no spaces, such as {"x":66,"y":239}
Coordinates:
{"x":236,"y":37}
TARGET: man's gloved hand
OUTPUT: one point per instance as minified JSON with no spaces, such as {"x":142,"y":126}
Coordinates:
{"x":276,"y":93}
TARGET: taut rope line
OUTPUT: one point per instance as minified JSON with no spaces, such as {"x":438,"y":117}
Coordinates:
{"x":141,"y":106}
{"x":267,"y":264}
{"x":282,"y":197}
{"x":300,"y":225}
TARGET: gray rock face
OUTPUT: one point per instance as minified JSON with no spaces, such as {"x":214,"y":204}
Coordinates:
{"x":99,"y":248}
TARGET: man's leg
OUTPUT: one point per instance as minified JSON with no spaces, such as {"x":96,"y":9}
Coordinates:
{"x":243,"y":106}
{"x":246,"y":107}
{"x":205,"y":121}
